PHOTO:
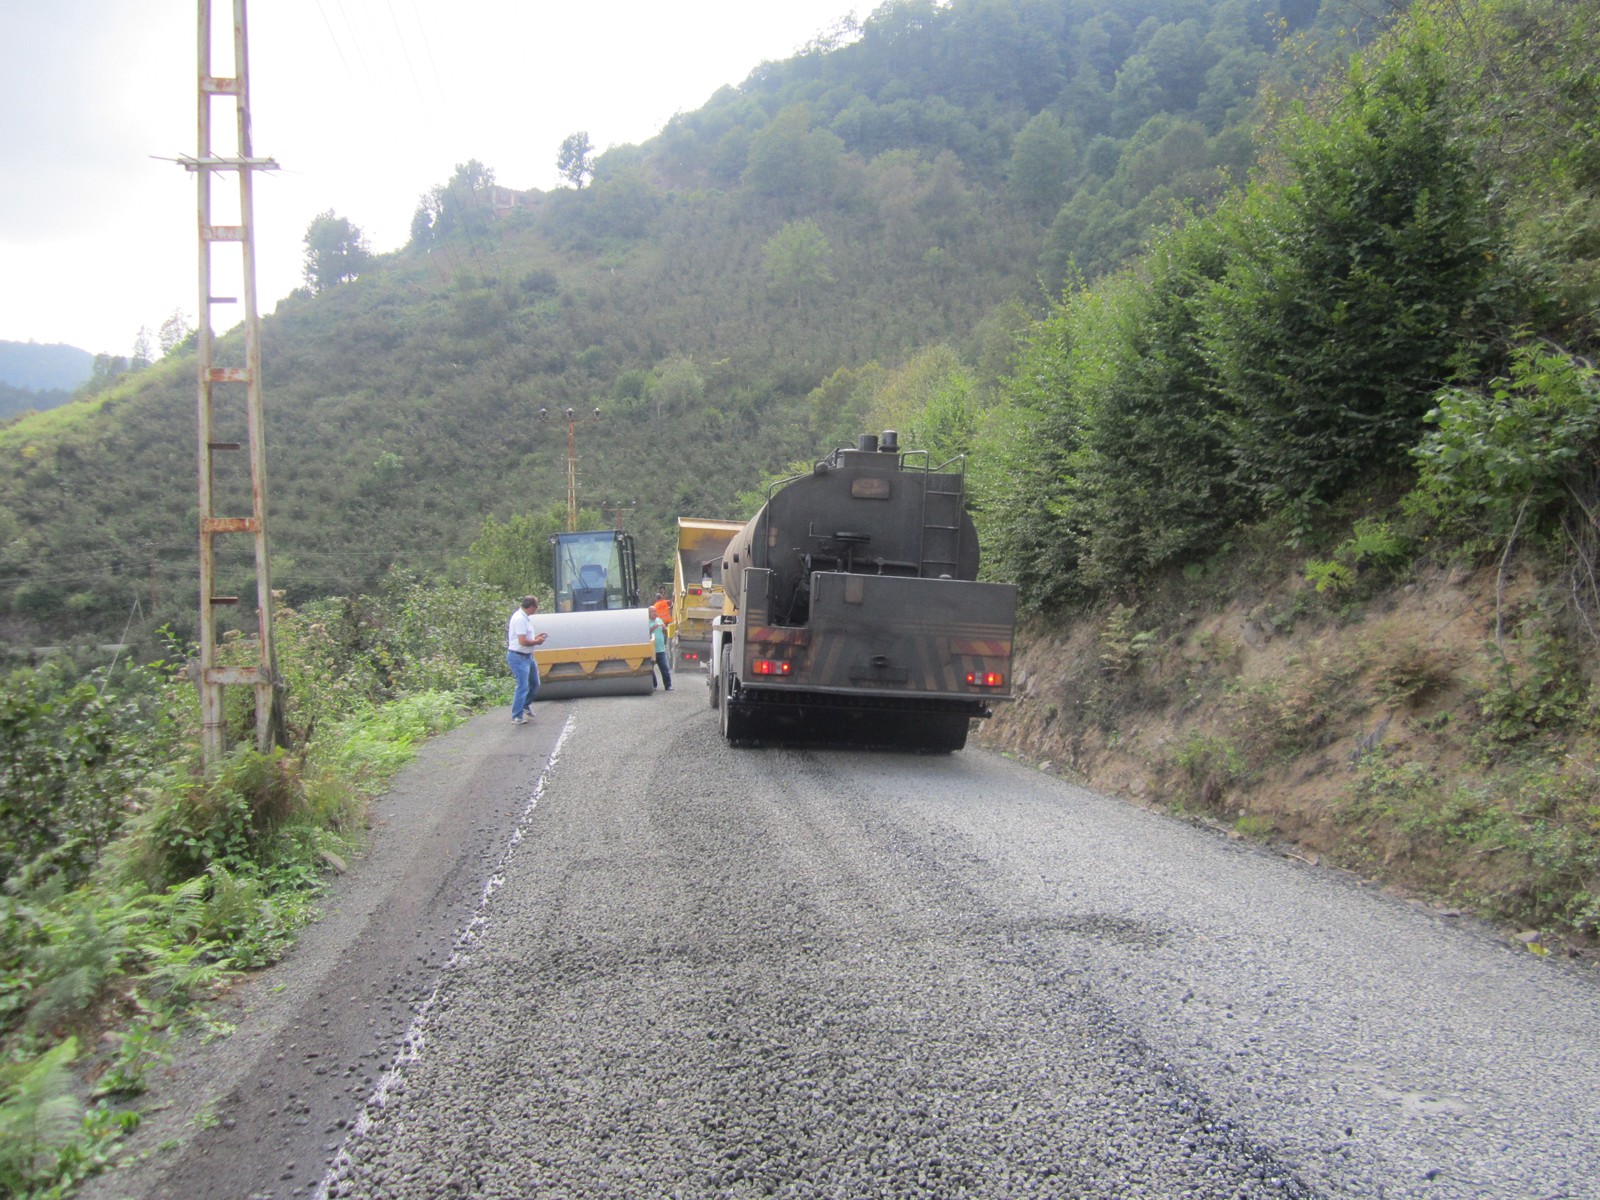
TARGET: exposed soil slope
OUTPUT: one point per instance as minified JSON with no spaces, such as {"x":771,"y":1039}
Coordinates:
{"x":1436,"y":737}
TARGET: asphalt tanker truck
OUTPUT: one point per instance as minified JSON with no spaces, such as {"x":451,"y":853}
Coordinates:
{"x":853,"y":612}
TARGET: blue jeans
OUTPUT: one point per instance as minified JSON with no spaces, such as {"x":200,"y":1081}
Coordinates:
{"x":663,"y":669}
{"x":526,"y":672}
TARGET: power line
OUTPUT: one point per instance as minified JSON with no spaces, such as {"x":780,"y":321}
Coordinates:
{"x":333,"y":37}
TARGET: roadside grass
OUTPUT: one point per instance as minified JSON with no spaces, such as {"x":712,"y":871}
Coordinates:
{"x":1521,"y":843}
{"x":161,"y":883}
{"x":1434,"y":727}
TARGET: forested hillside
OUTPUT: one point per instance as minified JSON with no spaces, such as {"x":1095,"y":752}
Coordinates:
{"x":1307,"y":498}
{"x":43,"y":367}
{"x":39,"y":377}
{"x":856,"y":230}
{"x":17,"y":400}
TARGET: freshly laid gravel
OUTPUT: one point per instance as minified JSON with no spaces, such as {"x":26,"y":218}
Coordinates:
{"x":707,"y":972}
{"x":605,"y":955}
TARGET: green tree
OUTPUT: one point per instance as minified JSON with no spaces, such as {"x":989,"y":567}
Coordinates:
{"x":1137,"y":96}
{"x":1043,"y":155}
{"x":336,"y":251}
{"x":678,"y":387}
{"x":144,"y":352}
{"x":1156,"y":458}
{"x":839,"y":404}
{"x":575,"y":159}
{"x":1180,"y":57}
{"x":621,"y":204}
{"x":1028,"y":508}
{"x":176,"y":333}
{"x":1518,"y":455}
{"x":107,"y":369}
{"x":425,"y":220}
{"x":458,"y":207}
{"x":796,"y":261}
{"x":928,"y":399}
{"x":514,"y":555}
{"x":1531,"y":92}
{"x":789,"y":160}
{"x":1354,"y":284}
{"x":947,"y":426}
{"x":1167,"y":151}
{"x":1100,"y":46}
{"x":1230,"y":88}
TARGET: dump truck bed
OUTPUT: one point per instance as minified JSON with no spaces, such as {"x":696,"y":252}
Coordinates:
{"x":697,"y":599}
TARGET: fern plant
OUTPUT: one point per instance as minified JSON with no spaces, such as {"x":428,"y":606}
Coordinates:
{"x":1372,"y":543}
{"x":39,"y":1117}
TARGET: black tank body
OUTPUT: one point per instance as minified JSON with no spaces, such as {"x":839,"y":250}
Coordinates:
{"x":861,"y":511}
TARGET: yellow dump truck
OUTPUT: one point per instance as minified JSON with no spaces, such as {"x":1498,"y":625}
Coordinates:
{"x":697,"y":587}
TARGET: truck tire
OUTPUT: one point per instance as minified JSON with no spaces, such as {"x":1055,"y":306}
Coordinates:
{"x":737,"y":719}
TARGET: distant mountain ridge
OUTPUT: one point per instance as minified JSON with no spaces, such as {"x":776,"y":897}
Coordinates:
{"x":40,"y":367}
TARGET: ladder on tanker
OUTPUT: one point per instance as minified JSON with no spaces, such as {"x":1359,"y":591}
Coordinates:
{"x":943,"y":501}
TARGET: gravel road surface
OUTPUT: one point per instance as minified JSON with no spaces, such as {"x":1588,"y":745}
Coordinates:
{"x":605,"y":955}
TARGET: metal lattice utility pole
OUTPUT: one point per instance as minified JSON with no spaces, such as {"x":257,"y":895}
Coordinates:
{"x":237,"y":383}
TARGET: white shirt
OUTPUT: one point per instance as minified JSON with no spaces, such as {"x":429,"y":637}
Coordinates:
{"x":520,"y":623}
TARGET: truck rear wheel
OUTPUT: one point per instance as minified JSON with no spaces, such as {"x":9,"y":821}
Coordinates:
{"x":737,"y":717}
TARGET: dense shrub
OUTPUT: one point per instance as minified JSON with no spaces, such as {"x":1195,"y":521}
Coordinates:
{"x":74,"y":749}
{"x":137,"y":881}
{"x":1516,"y":453}
{"x":1157,"y":449}
{"x":1356,"y":282}
{"x":1270,"y":357}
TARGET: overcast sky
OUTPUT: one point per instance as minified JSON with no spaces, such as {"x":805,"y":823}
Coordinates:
{"x":365,"y":105}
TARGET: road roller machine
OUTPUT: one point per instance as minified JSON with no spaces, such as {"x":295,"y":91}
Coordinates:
{"x":598,"y":641}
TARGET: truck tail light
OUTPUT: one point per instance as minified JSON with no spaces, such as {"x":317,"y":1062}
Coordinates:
{"x":770,"y":666}
{"x":986,"y":679}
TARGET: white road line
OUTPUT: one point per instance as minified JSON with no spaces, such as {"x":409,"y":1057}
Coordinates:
{"x":415,"y":1038}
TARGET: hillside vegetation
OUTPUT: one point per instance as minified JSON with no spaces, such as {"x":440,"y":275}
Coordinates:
{"x":732,"y":295}
{"x":1306,"y":498}
{"x":43,"y":368}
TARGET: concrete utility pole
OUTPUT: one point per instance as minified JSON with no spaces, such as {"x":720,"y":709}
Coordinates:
{"x":241,"y":382}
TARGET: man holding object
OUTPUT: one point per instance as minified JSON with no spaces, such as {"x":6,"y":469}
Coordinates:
{"x":520,"y":641}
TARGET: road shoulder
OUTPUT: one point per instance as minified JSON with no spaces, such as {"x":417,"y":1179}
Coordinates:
{"x":313,"y":1033}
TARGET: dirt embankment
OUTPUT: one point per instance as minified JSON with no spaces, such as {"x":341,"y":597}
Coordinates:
{"x":1438,"y":738}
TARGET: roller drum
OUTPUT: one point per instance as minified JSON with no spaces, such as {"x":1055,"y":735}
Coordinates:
{"x":604,"y":653}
